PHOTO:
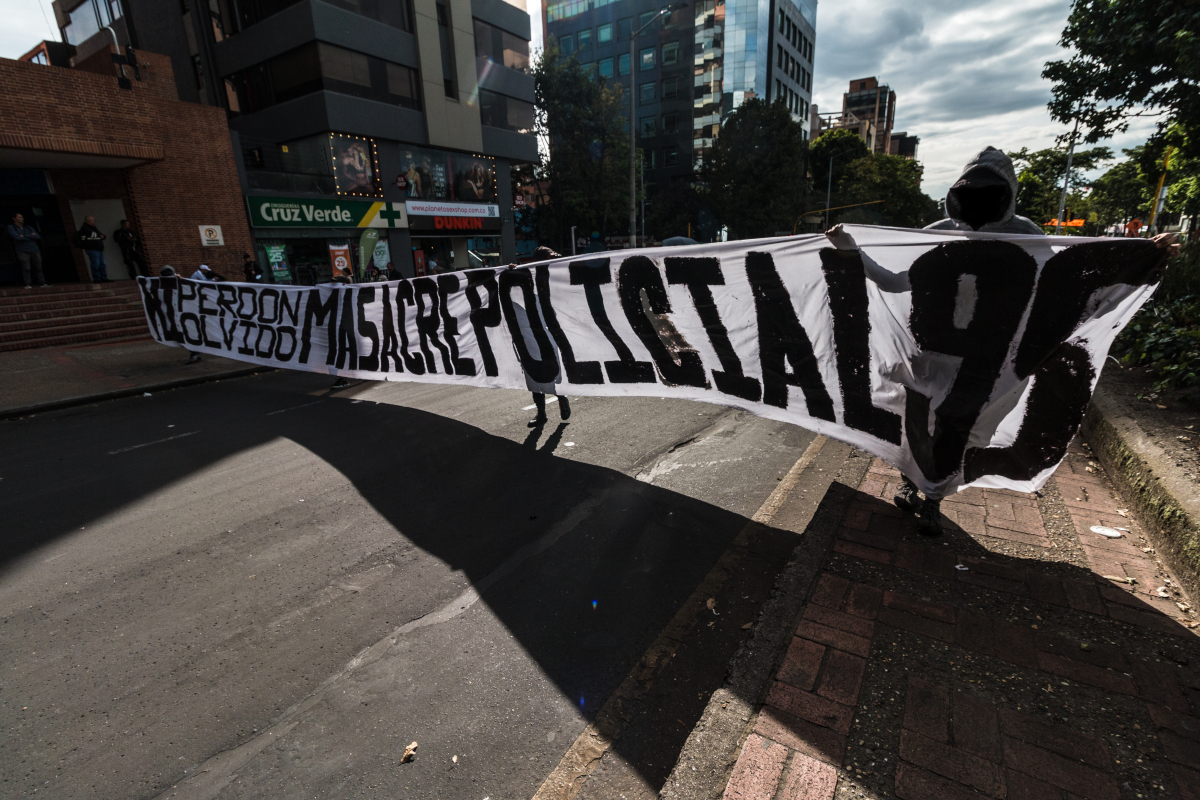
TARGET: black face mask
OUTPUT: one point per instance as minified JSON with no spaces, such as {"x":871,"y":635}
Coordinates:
{"x":977,"y":206}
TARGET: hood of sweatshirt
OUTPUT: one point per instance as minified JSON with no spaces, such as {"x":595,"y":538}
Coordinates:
{"x":984,"y":198}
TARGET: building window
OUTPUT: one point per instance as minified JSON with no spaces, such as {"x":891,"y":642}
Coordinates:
{"x":318,"y":66}
{"x":501,"y":47}
{"x":670,"y":53}
{"x":671,"y":123}
{"x":604,"y":33}
{"x":782,"y":19}
{"x":648,"y":127}
{"x":565,"y":9}
{"x":499,"y":111}
{"x":650,"y":159}
{"x":646,"y":93}
{"x":623,"y":30}
{"x":585,"y":39}
{"x":671,"y":156}
{"x":670,"y":88}
{"x":646,"y":58}
{"x":623,"y":64}
{"x":646,"y":19}
{"x":566,"y":44}
{"x":606,"y":67}
{"x":778,"y":89}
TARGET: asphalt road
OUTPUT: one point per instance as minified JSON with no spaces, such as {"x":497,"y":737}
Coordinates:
{"x":259,"y":588}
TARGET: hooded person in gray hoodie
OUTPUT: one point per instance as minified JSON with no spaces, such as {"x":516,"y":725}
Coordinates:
{"x":985,"y":198}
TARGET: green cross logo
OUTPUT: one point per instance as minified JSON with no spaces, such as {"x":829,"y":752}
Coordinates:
{"x":390,"y":214}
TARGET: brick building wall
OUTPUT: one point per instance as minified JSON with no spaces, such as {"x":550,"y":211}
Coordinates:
{"x":188,"y":178}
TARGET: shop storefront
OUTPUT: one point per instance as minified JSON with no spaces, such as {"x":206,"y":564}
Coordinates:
{"x":305,"y":242}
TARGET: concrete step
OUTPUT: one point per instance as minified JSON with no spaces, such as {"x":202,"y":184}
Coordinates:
{"x":32,"y":326}
{"x":112,"y":336}
{"x":54,"y":311}
{"x":92,"y":323}
{"x":66,"y":293}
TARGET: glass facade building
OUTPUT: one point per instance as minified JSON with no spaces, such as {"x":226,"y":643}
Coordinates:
{"x":729,"y":51}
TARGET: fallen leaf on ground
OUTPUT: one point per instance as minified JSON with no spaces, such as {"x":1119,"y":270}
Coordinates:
{"x":711,"y":603}
{"x":409,"y":752}
{"x":747,"y":626}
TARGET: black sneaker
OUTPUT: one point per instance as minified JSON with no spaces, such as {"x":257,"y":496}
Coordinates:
{"x":564,"y":408}
{"x":195,"y":359}
{"x":537,"y":421}
{"x":908,"y":498}
{"x":931,"y":518}
{"x":340,"y":383}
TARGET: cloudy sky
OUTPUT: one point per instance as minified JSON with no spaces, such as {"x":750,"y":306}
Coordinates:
{"x":966,"y":72}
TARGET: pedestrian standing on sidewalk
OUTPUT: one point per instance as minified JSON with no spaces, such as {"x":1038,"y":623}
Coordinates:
{"x":205,"y":273}
{"x":91,"y":241}
{"x":539,"y":390}
{"x":131,"y":250}
{"x":25,"y":241}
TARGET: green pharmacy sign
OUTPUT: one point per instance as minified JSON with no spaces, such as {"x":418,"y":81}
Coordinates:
{"x":293,"y":212}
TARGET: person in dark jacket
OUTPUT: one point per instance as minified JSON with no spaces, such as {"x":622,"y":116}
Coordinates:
{"x":251,"y":269}
{"x":91,"y":240}
{"x":538,"y":390}
{"x":131,"y":250}
{"x":25,"y":242}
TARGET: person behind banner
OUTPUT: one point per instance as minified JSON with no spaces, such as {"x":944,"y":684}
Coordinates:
{"x":205,"y":273}
{"x":169,"y":272}
{"x":540,"y":390}
{"x":393,"y":274}
{"x":983,"y":199}
{"x":251,"y":269}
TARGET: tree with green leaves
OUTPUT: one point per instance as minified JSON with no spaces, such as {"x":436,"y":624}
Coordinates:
{"x":585,"y":180}
{"x":840,"y":144}
{"x":754,"y":173}
{"x":1040,"y":179}
{"x":894,"y":180}
{"x":1130,"y":58}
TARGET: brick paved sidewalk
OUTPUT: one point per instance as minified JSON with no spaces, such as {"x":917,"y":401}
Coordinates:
{"x":1018,"y":656}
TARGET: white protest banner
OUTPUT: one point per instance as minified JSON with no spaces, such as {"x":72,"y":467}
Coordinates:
{"x":958,"y":358}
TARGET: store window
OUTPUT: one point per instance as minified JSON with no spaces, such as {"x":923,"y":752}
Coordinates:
{"x":501,"y":111}
{"x":501,"y":47}
{"x":319,"y":66}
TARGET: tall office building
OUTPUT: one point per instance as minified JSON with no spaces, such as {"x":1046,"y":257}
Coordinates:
{"x":403,"y":115}
{"x":694,"y":67}
{"x":867,"y":100}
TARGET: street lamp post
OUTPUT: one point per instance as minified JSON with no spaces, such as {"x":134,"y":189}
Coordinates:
{"x":829,"y":183}
{"x":633,"y":116}
{"x":1062,"y":204}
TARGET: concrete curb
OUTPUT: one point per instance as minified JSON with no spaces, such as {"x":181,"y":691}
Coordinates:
{"x":115,"y":394}
{"x":1162,"y":496}
{"x":712,"y":748}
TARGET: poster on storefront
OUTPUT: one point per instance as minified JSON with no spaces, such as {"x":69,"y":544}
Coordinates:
{"x":959,"y":358}
{"x":419,"y":263}
{"x":383,"y":255}
{"x":277,"y":258}
{"x":354,"y":168}
{"x":340,"y":261}
{"x":366,"y":252}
